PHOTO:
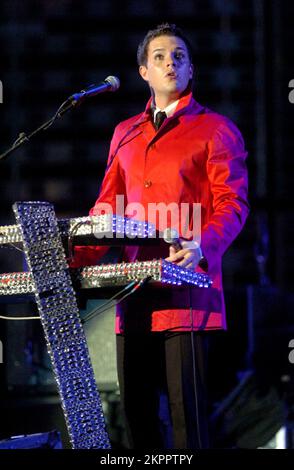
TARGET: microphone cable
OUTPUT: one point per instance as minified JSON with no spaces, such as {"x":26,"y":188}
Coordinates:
{"x":98,"y":310}
{"x":194,"y":372}
{"x":106,"y":305}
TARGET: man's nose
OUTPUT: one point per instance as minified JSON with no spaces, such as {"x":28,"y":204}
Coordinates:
{"x":170,"y":60}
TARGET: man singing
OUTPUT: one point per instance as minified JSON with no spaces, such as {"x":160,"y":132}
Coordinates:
{"x":176,"y":151}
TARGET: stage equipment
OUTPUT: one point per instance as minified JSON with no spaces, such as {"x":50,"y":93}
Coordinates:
{"x":50,"y":282}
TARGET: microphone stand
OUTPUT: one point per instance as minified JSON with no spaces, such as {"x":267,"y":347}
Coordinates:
{"x":67,"y":105}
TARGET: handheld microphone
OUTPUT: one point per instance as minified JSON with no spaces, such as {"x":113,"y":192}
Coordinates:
{"x":171,"y":236}
{"x":109,"y":84}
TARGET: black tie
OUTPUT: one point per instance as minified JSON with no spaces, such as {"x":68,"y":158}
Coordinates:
{"x":159,"y":118}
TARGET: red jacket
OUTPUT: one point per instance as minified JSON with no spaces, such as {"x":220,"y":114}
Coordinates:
{"x":196,"y":156}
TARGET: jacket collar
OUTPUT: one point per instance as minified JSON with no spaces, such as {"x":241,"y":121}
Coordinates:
{"x":185,"y":103}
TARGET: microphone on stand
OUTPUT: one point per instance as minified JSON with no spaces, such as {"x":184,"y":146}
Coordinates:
{"x":110,"y":83}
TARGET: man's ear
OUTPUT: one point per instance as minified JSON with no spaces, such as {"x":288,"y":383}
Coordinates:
{"x":143,"y":71}
{"x":191,"y":70}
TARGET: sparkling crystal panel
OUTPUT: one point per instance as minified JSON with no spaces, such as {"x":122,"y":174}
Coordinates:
{"x":64,"y":334}
{"x":118,"y":274}
{"x":123,"y":273}
{"x":107,"y":225}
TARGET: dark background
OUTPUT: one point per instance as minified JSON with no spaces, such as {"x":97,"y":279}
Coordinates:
{"x":243,"y":58}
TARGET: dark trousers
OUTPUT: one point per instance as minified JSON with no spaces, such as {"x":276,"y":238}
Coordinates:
{"x":156,"y":369}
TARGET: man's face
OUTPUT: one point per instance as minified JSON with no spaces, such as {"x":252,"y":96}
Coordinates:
{"x":168,"y":68}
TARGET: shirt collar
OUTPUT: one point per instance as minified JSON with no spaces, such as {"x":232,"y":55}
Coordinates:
{"x":183,"y":104}
{"x":169,"y":110}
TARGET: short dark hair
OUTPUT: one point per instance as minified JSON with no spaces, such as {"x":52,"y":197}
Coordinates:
{"x":165,"y":29}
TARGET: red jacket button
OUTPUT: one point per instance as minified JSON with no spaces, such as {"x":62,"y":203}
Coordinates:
{"x":147,"y":183}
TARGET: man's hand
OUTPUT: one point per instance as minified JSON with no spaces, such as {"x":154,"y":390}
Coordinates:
{"x":188,"y":257}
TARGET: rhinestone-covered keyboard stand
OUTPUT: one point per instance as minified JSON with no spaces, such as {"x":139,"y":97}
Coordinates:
{"x":110,"y":275}
{"x":100,"y":226}
{"x":64,"y":334}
